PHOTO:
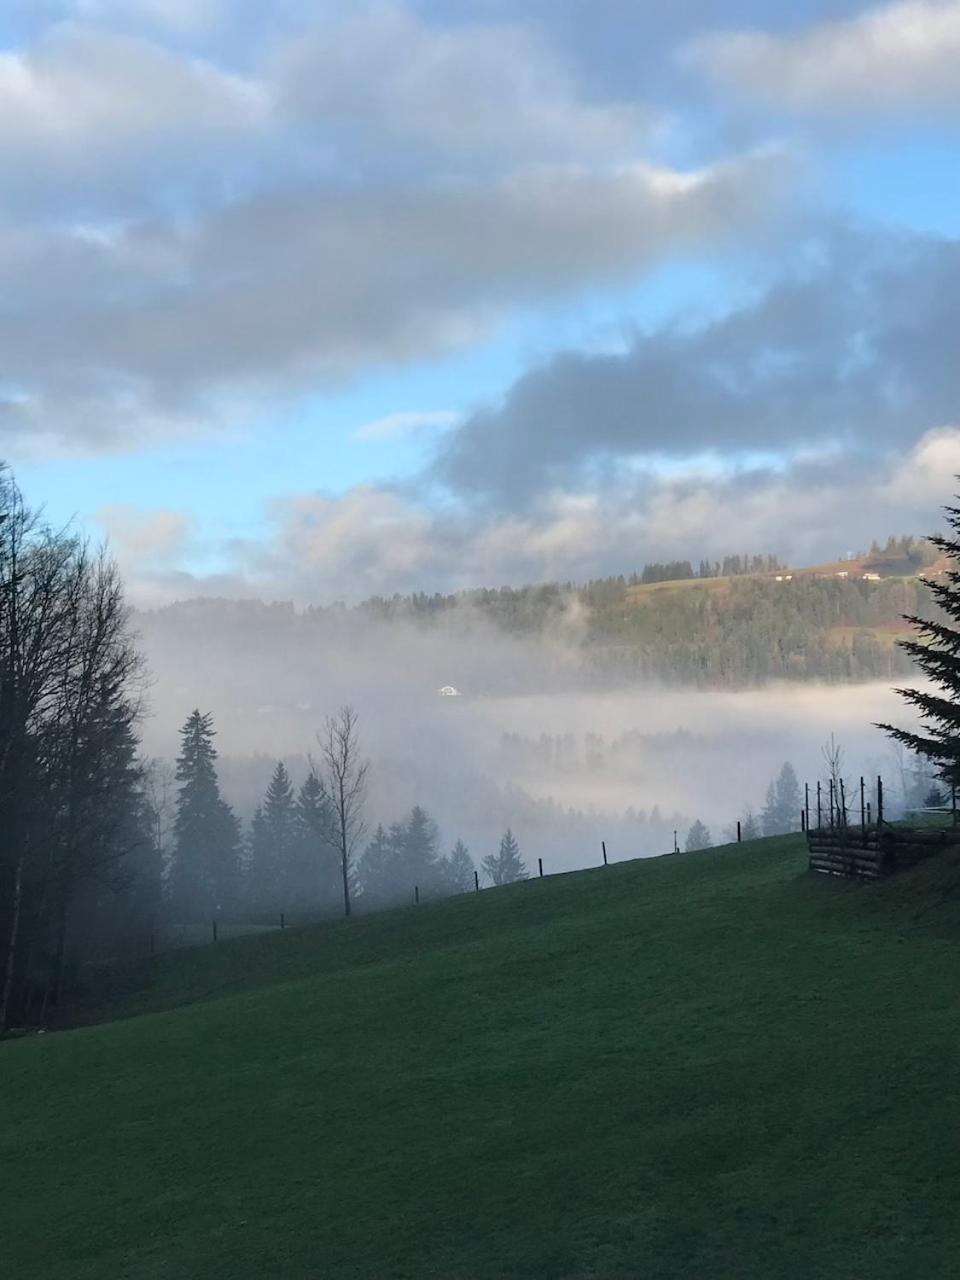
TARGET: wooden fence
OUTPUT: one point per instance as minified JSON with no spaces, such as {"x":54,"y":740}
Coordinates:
{"x":872,"y":851}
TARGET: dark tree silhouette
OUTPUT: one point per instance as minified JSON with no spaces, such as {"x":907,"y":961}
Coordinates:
{"x":505,"y":866}
{"x":205,"y":866}
{"x":936,"y":651}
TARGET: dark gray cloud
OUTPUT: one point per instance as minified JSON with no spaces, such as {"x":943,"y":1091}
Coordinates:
{"x":858,"y":349}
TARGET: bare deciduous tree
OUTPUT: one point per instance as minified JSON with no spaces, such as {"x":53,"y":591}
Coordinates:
{"x":343,"y":776}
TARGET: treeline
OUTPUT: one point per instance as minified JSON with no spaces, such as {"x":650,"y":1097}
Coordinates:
{"x":291,"y":859}
{"x":745,"y":630}
{"x":77,"y":862}
{"x":751,"y":630}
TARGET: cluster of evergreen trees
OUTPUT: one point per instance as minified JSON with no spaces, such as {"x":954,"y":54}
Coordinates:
{"x":287,"y":861}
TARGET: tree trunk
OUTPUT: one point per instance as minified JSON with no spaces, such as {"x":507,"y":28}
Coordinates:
{"x":12,"y":946}
{"x":346,"y":878}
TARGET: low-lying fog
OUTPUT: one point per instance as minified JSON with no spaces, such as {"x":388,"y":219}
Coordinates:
{"x":530,"y":742}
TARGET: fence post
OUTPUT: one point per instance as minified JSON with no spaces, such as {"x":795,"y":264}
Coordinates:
{"x":476,"y":881}
{"x":863,"y":804}
{"x":283,"y":923}
{"x":843,"y":805}
{"x":738,"y":831}
{"x":416,"y":893}
{"x":676,"y":847}
{"x":214,"y":923}
{"x":806,"y":806}
{"x":879,"y":801}
{"x":831,"y":804}
{"x":819,"y":811}
{"x":540,"y":863}
{"x":603,"y":846}
{"x":803,"y":820}
{"x":869,"y":814}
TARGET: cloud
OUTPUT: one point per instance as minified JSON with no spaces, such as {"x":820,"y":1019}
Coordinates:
{"x":820,"y":360}
{"x":397,"y":425}
{"x":300,"y":287}
{"x":138,"y":536}
{"x":382,"y":74}
{"x":886,"y":59}
{"x":373,"y":541}
{"x":182,"y":17}
{"x":83,"y":92}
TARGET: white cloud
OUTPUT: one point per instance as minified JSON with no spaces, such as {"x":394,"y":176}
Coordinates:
{"x":371,"y":541}
{"x":92,"y":89}
{"x":887,"y":58}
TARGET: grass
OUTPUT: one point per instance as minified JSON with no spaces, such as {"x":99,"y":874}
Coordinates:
{"x":711,"y":1065}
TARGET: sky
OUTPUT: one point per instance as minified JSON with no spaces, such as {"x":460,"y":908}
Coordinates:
{"x":315,"y":301}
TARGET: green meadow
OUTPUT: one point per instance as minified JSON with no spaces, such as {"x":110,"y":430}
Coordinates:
{"x":707,"y":1065}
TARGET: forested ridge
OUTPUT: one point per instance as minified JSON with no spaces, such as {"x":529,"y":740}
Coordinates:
{"x":735,"y":623}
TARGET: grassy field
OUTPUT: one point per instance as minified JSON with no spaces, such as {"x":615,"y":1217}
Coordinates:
{"x":711,"y":1065}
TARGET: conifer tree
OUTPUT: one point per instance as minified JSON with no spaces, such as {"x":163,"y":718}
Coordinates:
{"x":781,"y":810}
{"x":505,"y":866}
{"x":205,"y":864}
{"x":374,"y":867}
{"x":419,"y":853}
{"x":458,"y":869}
{"x":936,"y":651}
{"x":698,"y":837}
{"x":280,"y":829}
{"x":260,"y":869}
{"x":749,"y":826}
{"x":314,"y":869}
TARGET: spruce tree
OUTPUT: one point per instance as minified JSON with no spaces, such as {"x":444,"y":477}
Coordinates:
{"x":280,"y":827}
{"x":205,"y":865}
{"x":749,"y":826}
{"x":374,"y":868}
{"x":505,"y":866}
{"x":698,"y":837}
{"x":781,"y":810}
{"x":261,"y":872}
{"x":936,"y":651}
{"x":315,"y":872}
{"x":420,"y":852}
{"x":458,"y":869}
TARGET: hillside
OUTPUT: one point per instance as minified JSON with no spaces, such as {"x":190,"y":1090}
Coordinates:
{"x":835,"y":622}
{"x":707,"y":1065}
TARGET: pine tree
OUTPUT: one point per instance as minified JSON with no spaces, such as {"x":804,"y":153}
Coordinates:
{"x":936,"y":651}
{"x":698,"y":837}
{"x":261,"y":872}
{"x":505,"y":866}
{"x":280,"y":828}
{"x":781,"y":810}
{"x":420,"y":856}
{"x":374,"y":868}
{"x":749,"y":826}
{"x":459,"y":869}
{"x":205,"y":865}
{"x":315,"y":874}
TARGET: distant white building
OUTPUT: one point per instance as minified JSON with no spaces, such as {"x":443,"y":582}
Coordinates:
{"x":871,"y":577}
{"x":448,"y":691}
